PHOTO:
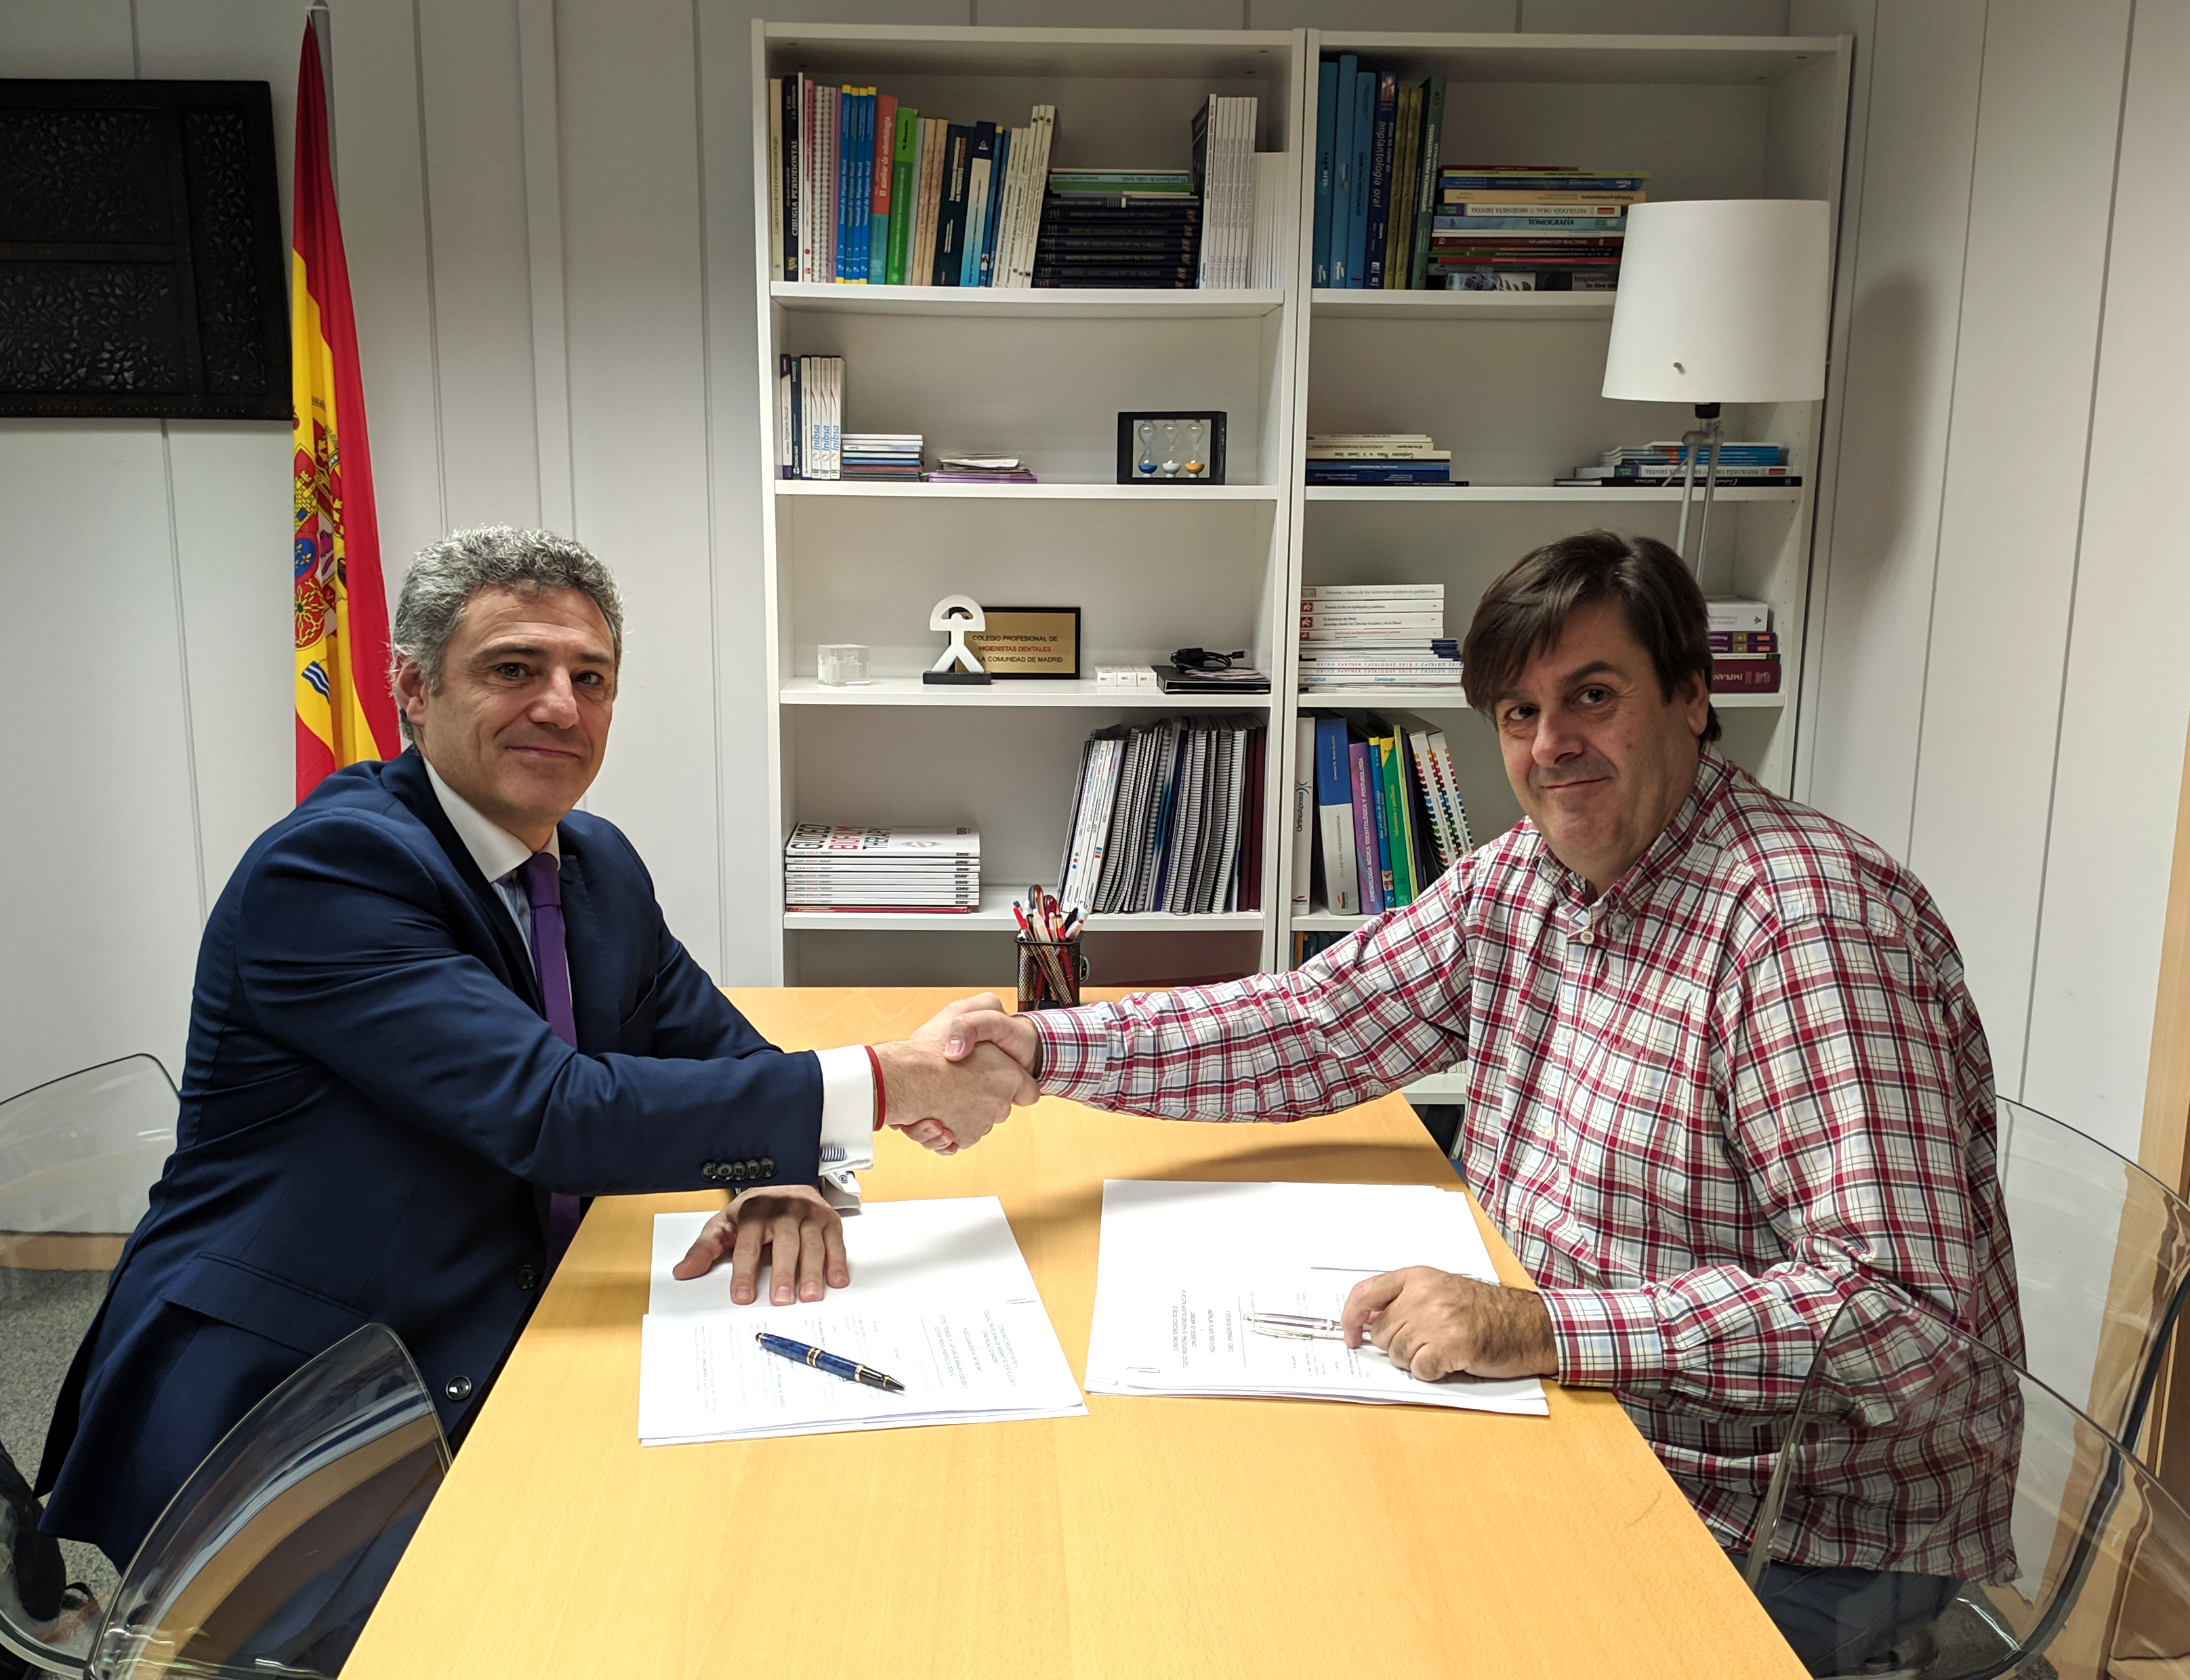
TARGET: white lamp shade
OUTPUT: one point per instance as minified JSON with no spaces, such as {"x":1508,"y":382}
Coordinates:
{"x":1722,"y":300}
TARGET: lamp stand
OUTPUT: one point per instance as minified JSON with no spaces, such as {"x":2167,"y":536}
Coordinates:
{"x":1706,"y":436}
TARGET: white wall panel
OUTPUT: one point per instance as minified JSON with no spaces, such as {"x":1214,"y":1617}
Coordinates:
{"x":99,"y":916}
{"x":2046,"y":125}
{"x":474,"y":151}
{"x":1489,"y":16}
{"x":380,"y":181}
{"x":1874,"y":601}
{"x":89,"y":38}
{"x":2128,"y":690}
{"x":630,"y":200}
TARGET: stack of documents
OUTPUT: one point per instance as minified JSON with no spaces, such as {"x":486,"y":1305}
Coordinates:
{"x":845,"y":867}
{"x":940,"y":1298}
{"x":1185,"y":1266}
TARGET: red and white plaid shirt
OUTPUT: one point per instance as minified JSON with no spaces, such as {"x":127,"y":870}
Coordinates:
{"x":1699,"y":1108}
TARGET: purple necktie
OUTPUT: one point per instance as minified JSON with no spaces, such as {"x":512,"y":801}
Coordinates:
{"x":551,"y":961}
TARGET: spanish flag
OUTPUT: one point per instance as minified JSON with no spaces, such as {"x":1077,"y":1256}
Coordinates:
{"x":345,"y":713}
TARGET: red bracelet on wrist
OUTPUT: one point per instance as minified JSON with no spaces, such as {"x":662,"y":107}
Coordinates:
{"x":882,"y":1096}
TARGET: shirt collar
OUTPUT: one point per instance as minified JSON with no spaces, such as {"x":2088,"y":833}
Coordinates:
{"x":1712,"y":773}
{"x":495,"y":849}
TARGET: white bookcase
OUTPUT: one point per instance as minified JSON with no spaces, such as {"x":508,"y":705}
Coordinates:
{"x":1508,"y":381}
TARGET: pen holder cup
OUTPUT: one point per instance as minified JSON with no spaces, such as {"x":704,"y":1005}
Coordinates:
{"x":1051,"y":971}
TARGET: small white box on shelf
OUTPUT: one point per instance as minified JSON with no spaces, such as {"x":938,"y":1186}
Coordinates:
{"x":1744,"y":615}
{"x":1125,"y":676}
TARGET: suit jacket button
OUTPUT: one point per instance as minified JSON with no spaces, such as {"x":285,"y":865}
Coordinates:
{"x":459,"y":1388}
{"x":706,"y":1169}
{"x":767,"y":1167}
{"x":526,"y":1277}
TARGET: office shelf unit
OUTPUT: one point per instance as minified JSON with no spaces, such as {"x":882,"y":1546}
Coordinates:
{"x":1509,"y":382}
{"x":1042,"y":374}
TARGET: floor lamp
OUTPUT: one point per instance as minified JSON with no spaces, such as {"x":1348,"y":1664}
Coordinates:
{"x":1721,"y":300}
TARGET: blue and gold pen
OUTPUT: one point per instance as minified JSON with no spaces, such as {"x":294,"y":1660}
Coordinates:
{"x":835,"y":1364}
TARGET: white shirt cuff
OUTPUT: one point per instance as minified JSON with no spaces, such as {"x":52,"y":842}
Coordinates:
{"x":848,"y":1122}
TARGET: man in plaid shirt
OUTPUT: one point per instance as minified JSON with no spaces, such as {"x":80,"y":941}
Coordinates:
{"x":1721,"y":1068}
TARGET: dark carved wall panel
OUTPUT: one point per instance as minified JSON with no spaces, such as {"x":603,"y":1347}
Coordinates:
{"x":142,"y":269}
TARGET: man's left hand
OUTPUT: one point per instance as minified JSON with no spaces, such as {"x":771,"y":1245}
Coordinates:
{"x":803,"y":1235}
{"x":1434,"y":1324}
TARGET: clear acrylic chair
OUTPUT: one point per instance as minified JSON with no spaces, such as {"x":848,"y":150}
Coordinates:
{"x":1938,"y":1512}
{"x":270,"y":1557}
{"x":2102,"y":1265}
{"x":76,"y":1157}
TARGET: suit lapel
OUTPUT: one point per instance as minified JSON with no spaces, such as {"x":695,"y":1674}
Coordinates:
{"x":593,"y":990}
{"x":405,"y":778}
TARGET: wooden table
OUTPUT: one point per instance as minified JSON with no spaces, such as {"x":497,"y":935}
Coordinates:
{"x":1202,"y":1538}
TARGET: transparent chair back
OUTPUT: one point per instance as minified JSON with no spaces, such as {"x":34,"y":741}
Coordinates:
{"x":2101,"y":1260}
{"x":77,"y":1158}
{"x":2000,"y":1531}
{"x":270,"y":1557}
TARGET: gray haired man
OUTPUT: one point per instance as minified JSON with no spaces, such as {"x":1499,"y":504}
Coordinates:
{"x":436,"y":1008}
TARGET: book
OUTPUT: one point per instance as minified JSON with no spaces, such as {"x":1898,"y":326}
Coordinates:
{"x":1556,"y":196}
{"x":1399,"y":834}
{"x":1335,"y":832}
{"x":1406,"y":157}
{"x":1726,"y":612}
{"x":1752,"y":644}
{"x":1373,"y":591}
{"x":980,"y":161}
{"x":1744,"y":676}
{"x":776,"y":178}
{"x":882,"y":175}
{"x":1343,"y":174}
{"x":1303,"y":810}
{"x":1531,"y":178}
{"x":1326,"y":139}
{"x":1384,"y":120}
{"x":1374,"y":472}
{"x":1369,"y":852}
{"x":904,"y":165}
{"x":1418,"y":255}
{"x":1364,"y":127}
{"x":950,"y":215}
{"x":846,"y":103}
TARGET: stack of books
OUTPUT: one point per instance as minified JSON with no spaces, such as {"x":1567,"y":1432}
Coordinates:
{"x":1526,"y":228}
{"x":1389,"y":817}
{"x":980,"y":469}
{"x":1386,"y":634}
{"x":1663,"y":464}
{"x":1120,"y":228}
{"x":1377,"y":458}
{"x":866,"y":191}
{"x":882,"y":455}
{"x":1224,"y":172}
{"x":1376,"y":148}
{"x":1745,"y":648}
{"x":1167,"y":816}
{"x":809,"y":417}
{"x":847,"y":867}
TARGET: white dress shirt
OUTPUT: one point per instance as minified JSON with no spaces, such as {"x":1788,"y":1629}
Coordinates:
{"x":848,"y":1079}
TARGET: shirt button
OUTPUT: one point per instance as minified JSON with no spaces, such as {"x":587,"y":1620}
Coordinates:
{"x":459,"y":1388}
{"x":1586,"y":937}
{"x":526,"y":1277}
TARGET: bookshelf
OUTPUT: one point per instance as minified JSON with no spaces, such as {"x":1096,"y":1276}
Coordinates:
{"x":1508,"y":381}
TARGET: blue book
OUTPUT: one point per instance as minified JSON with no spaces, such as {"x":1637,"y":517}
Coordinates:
{"x":863,"y":187}
{"x":847,"y":124}
{"x":983,"y":150}
{"x":1341,"y":174}
{"x":997,"y":174}
{"x":1460,"y":178}
{"x":1365,"y":130}
{"x":1326,"y":137}
{"x":1382,"y":136}
{"x":1334,"y":818}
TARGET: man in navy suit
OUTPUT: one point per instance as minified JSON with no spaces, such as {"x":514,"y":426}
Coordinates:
{"x":436,"y":1007}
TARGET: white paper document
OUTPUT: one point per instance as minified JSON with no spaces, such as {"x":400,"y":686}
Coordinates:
{"x":1183,"y":1265}
{"x":940,"y":1298}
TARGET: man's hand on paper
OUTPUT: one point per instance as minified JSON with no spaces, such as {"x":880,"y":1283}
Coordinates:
{"x":803,"y":1235}
{"x":947,"y":1105}
{"x":1434,"y":1324}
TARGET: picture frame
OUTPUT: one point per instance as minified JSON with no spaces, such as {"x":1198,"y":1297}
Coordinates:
{"x":1029,"y":643}
{"x":1137,"y":449}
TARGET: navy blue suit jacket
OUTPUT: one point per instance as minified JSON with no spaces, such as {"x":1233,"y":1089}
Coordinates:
{"x":374,"y":1112}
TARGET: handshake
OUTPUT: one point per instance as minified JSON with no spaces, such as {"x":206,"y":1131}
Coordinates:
{"x":960,"y":1074}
